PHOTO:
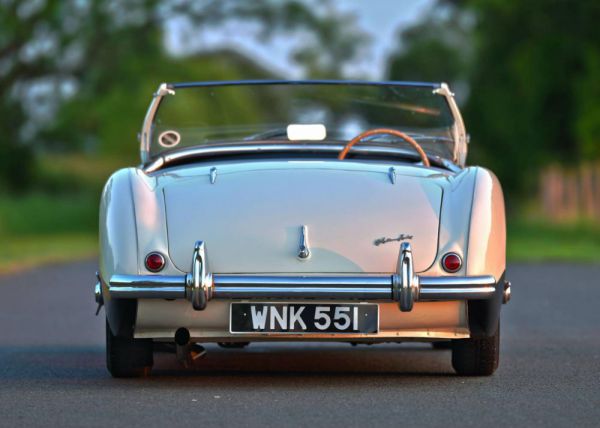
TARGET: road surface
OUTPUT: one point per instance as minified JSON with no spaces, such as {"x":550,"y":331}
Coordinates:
{"x":52,"y":370}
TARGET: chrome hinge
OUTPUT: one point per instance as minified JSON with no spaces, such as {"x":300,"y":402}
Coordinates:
{"x":392,"y":175}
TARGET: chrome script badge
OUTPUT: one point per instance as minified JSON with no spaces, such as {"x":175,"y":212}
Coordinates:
{"x":401,"y":237}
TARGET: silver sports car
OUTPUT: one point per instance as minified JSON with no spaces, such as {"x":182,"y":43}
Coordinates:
{"x":301,"y":211}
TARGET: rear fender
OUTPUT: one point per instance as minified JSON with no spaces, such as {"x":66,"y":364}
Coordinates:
{"x":132,"y":224}
{"x":486,"y":253}
{"x":118,"y":248}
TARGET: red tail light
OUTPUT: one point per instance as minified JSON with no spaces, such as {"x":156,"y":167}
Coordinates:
{"x":155,"y":262}
{"x":451,"y":262}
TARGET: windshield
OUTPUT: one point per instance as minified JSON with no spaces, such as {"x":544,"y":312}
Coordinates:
{"x":297,"y":112}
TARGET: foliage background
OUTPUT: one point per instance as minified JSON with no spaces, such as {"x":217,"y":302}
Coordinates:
{"x":76,"y":76}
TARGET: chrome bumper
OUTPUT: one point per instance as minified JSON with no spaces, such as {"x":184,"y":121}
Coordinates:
{"x":404,"y":286}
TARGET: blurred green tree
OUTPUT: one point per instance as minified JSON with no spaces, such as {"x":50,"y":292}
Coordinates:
{"x":72,"y":73}
{"x":532,"y":70}
{"x":436,"y":49}
{"x":534,"y":86}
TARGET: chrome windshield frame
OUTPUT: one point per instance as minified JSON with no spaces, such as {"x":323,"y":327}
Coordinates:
{"x":169,"y":89}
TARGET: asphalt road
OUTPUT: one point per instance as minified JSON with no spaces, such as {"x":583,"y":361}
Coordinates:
{"x":52,"y":369}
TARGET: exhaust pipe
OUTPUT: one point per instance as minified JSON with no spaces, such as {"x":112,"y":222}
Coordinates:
{"x":182,"y":336}
{"x":187,"y":352}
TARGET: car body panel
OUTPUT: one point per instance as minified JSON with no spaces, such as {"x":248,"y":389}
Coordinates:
{"x":250,"y":218}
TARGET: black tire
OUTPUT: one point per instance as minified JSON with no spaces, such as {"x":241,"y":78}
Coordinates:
{"x":476,"y":357}
{"x":445,"y":344}
{"x":128,"y":357}
{"x":233,"y":345}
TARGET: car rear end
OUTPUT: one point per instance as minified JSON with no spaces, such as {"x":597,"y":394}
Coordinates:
{"x":270,"y":241}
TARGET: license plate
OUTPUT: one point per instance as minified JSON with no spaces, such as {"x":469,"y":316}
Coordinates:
{"x":303,"y":318}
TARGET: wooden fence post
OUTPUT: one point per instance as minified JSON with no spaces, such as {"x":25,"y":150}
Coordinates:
{"x":570,"y":194}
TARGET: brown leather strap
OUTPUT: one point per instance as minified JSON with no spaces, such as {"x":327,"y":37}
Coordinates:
{"x":370,"y":132}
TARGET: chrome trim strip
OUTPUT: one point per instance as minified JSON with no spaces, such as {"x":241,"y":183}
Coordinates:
{"x":141,"y":281}
{"x":147,"y":292}
{"x":177,"y":85}
{"x":301,"y":292}
{"x":467,"y":293}
{"x":456,"y":281}
{"x":147,"y":287}
{"x":292,"y":281}
{"x":241,"y":149}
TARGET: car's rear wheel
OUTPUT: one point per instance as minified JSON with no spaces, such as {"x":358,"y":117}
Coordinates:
{"x":128,"y":357}
{"x":233,"y":345}
{"x":476,"y":357}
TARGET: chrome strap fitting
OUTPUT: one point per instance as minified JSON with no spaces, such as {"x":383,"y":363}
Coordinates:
{"x":199,"y":283}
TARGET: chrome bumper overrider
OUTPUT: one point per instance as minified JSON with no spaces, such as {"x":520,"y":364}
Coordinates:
{"x":404,"y":286}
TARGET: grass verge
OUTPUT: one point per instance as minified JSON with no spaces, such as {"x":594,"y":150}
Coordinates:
{"x":40,"y":228}
{"x":536,"y":241}
{"x":18,"y":253}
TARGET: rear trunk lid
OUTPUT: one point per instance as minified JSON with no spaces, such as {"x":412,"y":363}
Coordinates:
{"x":251,"y":216}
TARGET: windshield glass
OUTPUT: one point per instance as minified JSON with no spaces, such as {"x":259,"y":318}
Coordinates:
{"x":327,"y":113}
